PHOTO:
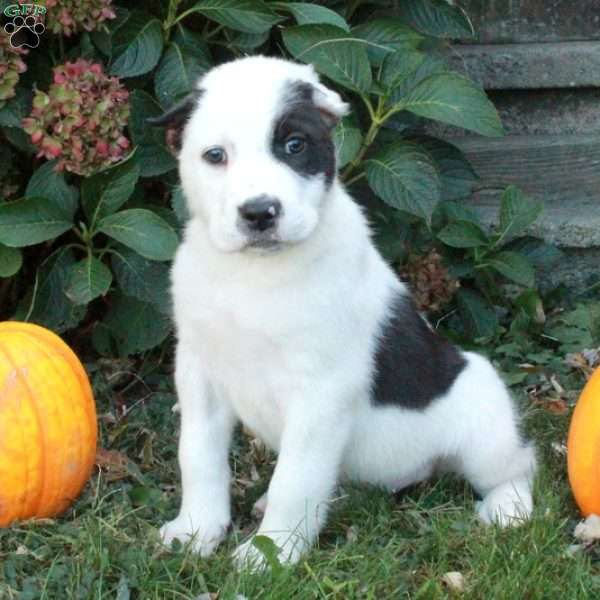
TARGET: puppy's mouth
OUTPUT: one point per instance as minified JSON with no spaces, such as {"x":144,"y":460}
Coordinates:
{"x":265,"y":244}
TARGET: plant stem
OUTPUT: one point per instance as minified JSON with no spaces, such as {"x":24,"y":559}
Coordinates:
{"x":377,"y":120}
{"x":354,"y":179}
{"x":183,"y":15}
{"x":171,"y":18}
{"x":352,"y":6}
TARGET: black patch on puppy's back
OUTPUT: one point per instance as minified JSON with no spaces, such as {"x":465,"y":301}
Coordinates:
{"x":413,"y":364}
{"x":301,"y":116}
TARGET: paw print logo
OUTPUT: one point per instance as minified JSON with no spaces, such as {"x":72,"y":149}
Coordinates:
{"x":24,"y":32}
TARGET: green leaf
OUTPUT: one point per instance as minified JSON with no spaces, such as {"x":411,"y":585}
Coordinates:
{"x":399,"y":65}
{"x":454,"y":99}
{"x":347,"y":138}
{"x":577,"y":329}
{"x":513,"y":266}
{"x":152,"y":155}
{"x":19,"y":139}
{"x":405,"y":77}
{"x":463,"y":234}
{"x":11,"y":261}
{"x":193,"y":42}
{"x":16,"y":109}
{"x":143,"y":231}
{"x":177,"y":73}
{"x":104,"y":193}
{"x":251,"y":16}
{"x":47,"y":183}
{"x":102,"y":38}
{"x":455,"y":211}
{"x":437,"y":18}
{"x":385,"y":36}
{"x":50,"y":306}
{"x":539,"y":253}
{"x":517,"y":213}
{"x":334,"y":52}
{"x":404,"y":176}
{"x":136,"y":326}
{"x":89,"y":278}
{"x":144,"y":106}
{"x":31,"y":221}
{"x":137,"y":45}
{"x":179,"y":205}
{"x":269,"y":549}
{"x":306,"y":13}
{"x":144,"y":279}
{"x":155,"y":160}
{"x":456,"y":173}
{"x":479,"y":317}
{"x":248,"y":41}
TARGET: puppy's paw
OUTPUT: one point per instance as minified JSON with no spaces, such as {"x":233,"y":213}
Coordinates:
{"x":203,"y":538}
{"x":506,"y":505}
{"x":260,"y":506}
{"x":288,"y":548}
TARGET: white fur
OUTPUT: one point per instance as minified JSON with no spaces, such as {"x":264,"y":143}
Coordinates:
{"x":285,"y":341}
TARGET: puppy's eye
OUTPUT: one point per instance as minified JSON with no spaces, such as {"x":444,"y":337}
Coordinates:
{"x":295,"y":145}
{"x":215,"y":156}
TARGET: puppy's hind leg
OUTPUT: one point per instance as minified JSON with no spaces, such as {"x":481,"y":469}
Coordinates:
{"x":494,"y":459}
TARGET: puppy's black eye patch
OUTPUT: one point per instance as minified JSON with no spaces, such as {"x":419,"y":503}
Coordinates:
{"x":302,"y":140}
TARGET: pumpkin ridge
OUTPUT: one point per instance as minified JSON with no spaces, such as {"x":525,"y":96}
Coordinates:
{"x":43,"y":335}
{"x":41,"y":439}
{"x":61,"y":347}
{"x":59,"y":492}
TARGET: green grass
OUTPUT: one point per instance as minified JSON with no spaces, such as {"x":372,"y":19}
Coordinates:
{"x":375,"y":545}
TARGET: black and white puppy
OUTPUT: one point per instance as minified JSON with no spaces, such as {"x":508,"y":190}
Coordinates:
{"x":290,"y":321}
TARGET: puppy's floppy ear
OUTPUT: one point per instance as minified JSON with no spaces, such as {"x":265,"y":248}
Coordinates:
{"x":330,"y":104}
{"x":178,"y":113}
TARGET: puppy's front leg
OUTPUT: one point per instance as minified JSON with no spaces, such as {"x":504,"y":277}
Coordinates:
{"x":206,"y":427}
{"x":305,"y":476}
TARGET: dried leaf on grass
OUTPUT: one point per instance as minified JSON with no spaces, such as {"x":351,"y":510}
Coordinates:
{"x":586,"y":361}
{"x":116,"y":466}
{"x":454,"y":580}
{"x":588,"y":530}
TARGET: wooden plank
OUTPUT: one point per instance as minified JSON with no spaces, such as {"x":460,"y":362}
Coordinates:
{"x":564,"y":171}
{"x":549,"y":112}
{"x":530,"y":66}
{"x":539,"y":112}
{"x":534,"y":20}
{"x":561,"y":167}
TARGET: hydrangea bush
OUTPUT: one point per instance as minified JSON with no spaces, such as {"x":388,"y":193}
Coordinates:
{"x":80,"y":121}
{"x":12,"y":64}
{"x":67,"y":17}
{"x":91,"y":211}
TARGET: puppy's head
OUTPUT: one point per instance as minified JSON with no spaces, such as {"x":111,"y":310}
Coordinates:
{"x":257,"y":158}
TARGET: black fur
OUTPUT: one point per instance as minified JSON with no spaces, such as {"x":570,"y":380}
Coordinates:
{"x":177,"y":114}
{"x":413,"y":364}
{"x":302,"y":116}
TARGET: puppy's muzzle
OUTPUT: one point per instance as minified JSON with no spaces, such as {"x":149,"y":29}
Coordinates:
{"x":260,"y":213}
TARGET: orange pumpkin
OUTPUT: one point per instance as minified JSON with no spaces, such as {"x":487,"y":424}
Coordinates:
{"x":47,"y":423}
{"x":584,"y":448}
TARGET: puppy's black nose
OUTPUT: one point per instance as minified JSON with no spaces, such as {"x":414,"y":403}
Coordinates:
{"x":260,"y":213}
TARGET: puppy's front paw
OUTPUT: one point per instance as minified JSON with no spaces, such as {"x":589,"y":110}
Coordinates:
{"x":507,"y":505}
{"x":202,"y":537}
{"x":289,"y":549}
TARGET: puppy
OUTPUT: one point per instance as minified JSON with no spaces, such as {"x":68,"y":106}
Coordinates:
{"x":289,"y":320}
